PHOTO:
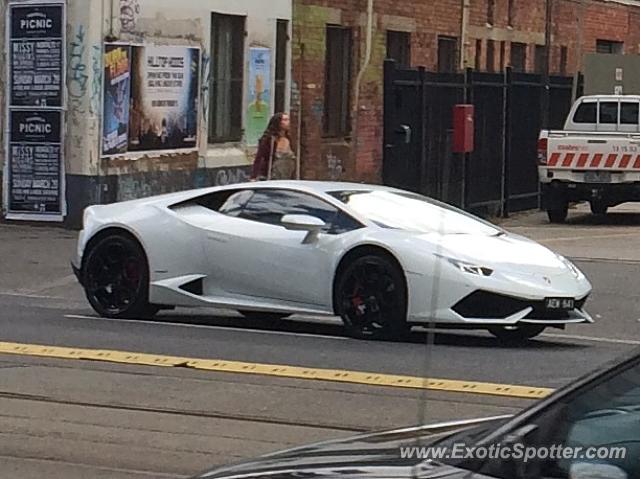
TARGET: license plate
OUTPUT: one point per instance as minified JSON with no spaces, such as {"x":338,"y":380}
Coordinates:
{"x":560,"y":304}
{"x":597,"y":177}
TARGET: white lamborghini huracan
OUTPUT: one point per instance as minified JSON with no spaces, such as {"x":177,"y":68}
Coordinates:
{"x":382,"y":259}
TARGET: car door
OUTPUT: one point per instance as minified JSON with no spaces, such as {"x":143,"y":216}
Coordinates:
{"x":594,"y":432}
{"x":253,"y":255}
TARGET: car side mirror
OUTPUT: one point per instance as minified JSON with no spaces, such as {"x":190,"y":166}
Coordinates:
{"x":590,"y":470}
{"x":308,"y":223}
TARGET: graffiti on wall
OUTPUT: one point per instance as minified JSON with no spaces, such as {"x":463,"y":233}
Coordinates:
{"x":96,"y":80}
{"x":230,"y":176}
{"x":334,"y":167}
{"x":78,"y":75}
{"x":129,"y":12}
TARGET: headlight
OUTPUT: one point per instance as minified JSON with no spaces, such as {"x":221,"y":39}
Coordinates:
{"x":467,"y":267}
{"x":572,"y":267}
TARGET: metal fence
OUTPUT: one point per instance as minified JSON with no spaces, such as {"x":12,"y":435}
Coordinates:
{"x":500,"y":176}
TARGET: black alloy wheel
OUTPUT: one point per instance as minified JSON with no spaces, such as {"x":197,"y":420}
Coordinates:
{"x":371,"y":298}
{"x":116,"y":279}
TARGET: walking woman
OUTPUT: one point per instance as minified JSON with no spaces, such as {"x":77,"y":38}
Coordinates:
{"x":275,"y":159}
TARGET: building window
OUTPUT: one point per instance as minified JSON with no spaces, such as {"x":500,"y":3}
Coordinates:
{"x":491,"y":11}
{"x":227,"y":77}
{"x":399,"y":47}
{"x":563,"y":60}
{"x":607,"y":46}
{"x":503,"y":56}
{"x":511,"y":13}
{"x":478,"y":55}
{"x":491,"y":56}
{"x":447,"y":54}
{"x":539,"y":60}
{"x":282,"y":48}
{"x":518,"y":57}
{"x":337,"y":118}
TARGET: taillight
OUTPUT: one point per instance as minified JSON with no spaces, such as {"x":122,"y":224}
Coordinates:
{"x":543,"y":144}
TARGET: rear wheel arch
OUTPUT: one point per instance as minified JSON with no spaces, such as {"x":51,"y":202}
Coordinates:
{"x":358,"y":252}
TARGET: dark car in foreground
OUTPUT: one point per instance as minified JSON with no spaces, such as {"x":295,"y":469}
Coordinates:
{"x":587,"y":430}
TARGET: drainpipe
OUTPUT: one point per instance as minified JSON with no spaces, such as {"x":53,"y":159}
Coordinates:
{"x":464,"y":26}
{"x":578,"y":65}
{"x":359,"y":78}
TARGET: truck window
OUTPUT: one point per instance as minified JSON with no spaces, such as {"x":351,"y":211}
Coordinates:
{"x":628,"y":113}
{"x":586,"y":113}
{"x":608,"y":113}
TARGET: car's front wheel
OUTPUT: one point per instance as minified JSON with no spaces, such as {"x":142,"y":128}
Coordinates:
{"x":516,"y":334}
{"x":116,"y":278}
{"x":371,"y":298}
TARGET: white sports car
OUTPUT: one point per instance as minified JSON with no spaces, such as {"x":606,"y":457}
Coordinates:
{"x":382,"y":259}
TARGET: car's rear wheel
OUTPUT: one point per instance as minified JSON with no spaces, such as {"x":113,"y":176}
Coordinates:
{"x":116,"y":278}
{"x":259,"y":315}
{"x":516,"y":334}
{"x":371,"y":298}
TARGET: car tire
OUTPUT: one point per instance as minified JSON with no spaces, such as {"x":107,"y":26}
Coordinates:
{"x":516,"y":334}
{"x":371,"y":298}
{"x":259,"y":315}
{"x":115,"y":276}
{"x":558,"y":215}
{"x":599,"y":208}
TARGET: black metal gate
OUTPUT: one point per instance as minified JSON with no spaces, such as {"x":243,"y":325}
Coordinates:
{"x":501,"y":174}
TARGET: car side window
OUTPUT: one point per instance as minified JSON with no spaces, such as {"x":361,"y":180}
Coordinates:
{"x":596,"y":428}
{"x":235,"y":203}
{"x":608,"y":113}
{"x":586,"y":113}
{"x":228,"y":202}
{"x":628,"y":113}
{"x":270,"y":205}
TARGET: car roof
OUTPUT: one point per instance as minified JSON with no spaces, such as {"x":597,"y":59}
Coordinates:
{"x":610,"y":98}
{"x":314,"y":186}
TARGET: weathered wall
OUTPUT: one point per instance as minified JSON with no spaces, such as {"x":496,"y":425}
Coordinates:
{"x":93,"y":179}
{"x":335,"y":158}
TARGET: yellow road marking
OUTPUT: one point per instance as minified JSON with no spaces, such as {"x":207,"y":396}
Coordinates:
{"x":292,"y":372}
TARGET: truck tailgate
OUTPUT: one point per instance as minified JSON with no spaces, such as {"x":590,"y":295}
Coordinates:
{"x":593,"y":151}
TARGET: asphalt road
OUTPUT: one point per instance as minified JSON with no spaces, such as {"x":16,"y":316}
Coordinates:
{"x":131,"y":421}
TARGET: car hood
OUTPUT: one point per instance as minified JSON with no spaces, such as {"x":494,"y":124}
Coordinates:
{"x":371,"y":455}
{"x":499,"y":252}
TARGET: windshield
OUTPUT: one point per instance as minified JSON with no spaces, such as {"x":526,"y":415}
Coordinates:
{"x":413,"y":212}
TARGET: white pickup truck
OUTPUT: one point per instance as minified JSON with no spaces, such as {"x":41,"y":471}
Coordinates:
{"x":596,"y":157}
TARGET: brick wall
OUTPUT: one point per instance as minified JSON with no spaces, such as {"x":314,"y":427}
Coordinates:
{"x":346,"y":159}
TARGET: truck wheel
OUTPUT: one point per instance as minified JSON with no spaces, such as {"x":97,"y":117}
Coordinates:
{"x":558,"y":214}
{"x":599,"y":208}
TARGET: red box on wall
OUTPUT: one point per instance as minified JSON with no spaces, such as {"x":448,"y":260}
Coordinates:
{"x":463,"y":128}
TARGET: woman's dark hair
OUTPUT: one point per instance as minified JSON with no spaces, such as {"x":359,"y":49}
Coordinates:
{"x":274,"y":129}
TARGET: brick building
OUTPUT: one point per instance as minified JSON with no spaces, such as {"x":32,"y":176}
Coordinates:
{"x":329,"y":47}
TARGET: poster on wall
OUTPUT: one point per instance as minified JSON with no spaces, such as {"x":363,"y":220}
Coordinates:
{"x":35,"y":175}
{"x":34,"y":119}
{"x":36,"y":61}
{"x":165,"y":85}
{"x":117,"y":95}
{"x":259,"y":109}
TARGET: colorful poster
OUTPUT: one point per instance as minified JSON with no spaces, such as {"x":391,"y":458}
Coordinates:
{"x":117,"y":94}
{"x":259,"y":109}
{"x":165,"y":85}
